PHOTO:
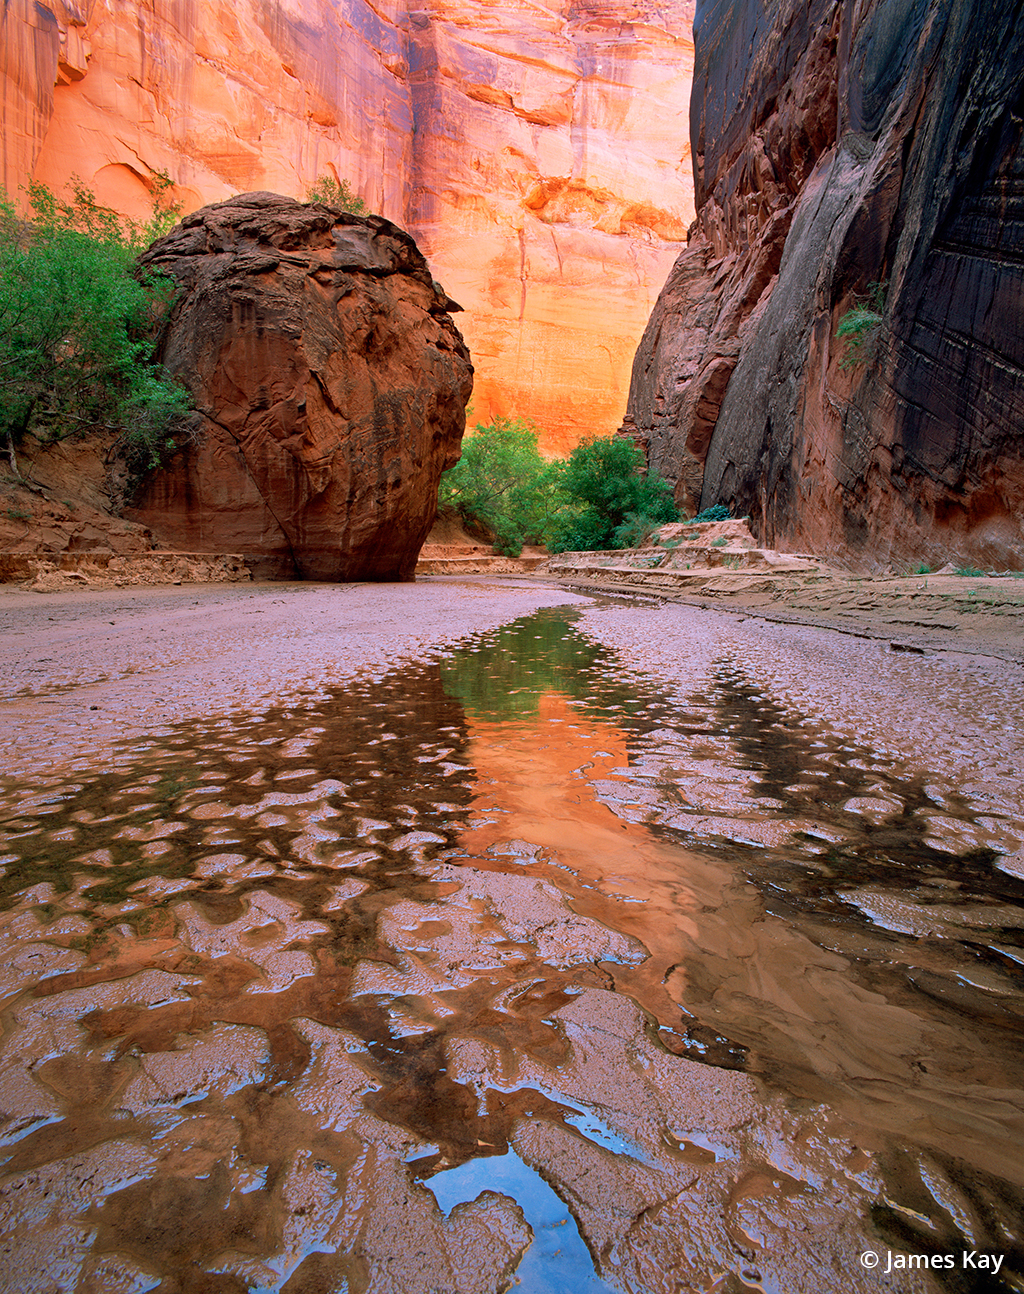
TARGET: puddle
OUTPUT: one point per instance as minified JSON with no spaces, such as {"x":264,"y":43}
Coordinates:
{"x":557,"y":1261}
{"x":506,"y":967}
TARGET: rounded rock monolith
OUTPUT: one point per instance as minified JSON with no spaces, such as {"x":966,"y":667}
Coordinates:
{"x":331,"y":386}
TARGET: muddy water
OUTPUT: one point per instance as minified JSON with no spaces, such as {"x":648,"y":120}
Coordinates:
{"x":514,"y":968}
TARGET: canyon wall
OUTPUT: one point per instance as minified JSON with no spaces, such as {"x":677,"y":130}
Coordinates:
{"x":539,"y":156}
{"x":837,"y":146}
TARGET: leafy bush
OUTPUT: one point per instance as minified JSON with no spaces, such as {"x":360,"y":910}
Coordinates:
{"x":635,"y":530}
{"x":576,"y":529}
{"x":336,"y":193}
{"x":604,"y":499}
{"x":596,"y":498}
{"x":78,"y":325}
{"x":502,"y":481}
{"x":860,"y":326}
{"x":719,"y":512}
{"x":84,"y":214}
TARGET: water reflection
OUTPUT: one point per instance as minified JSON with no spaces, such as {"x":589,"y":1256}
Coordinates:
{"x":557,"y":1261}
{"x":698,"y":985}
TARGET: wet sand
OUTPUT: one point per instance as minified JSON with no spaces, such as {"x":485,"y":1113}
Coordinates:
{"x":93,"y":667}
{"x":446,"y":936}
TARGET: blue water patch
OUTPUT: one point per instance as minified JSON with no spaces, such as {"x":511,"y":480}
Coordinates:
{"x":588,"y":1125}
{"x":596,"y":1130}
{"x":557,"y":1262}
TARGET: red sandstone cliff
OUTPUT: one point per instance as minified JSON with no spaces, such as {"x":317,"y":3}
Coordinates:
{"x":837,"y":145}
{"x":538,"y":155}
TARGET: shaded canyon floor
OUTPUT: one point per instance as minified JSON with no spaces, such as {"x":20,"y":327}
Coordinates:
{"x":473,"y":935}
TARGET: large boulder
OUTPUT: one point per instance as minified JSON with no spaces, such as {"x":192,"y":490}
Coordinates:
{"x":331,"y":385}
{"x":837,"y":146}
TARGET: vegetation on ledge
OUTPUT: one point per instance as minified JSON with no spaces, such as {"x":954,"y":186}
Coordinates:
{"x":78,"y":327}
{"x":336,"y":193}
{"x":859,"y":328}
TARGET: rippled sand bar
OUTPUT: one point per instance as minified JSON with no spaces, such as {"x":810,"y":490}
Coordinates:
{"x":469,"y":936}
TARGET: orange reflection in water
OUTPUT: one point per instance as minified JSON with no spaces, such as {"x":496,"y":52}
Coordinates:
{"x":536,"y":787}
{"x":772,"y":988}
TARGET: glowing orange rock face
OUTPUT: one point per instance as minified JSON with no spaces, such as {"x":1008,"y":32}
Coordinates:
{"x":540,"y":156}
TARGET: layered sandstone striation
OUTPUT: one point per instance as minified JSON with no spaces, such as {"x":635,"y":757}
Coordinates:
{"x":556,"y":197}
{"x":539,"y":155}
{"x":838,"y":146}
{"x":331,"y":386}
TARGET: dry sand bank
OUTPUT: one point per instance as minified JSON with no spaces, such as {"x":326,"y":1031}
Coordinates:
{"x":979,"y":615}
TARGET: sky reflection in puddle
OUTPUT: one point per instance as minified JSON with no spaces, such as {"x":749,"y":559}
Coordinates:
{"x":557,"y":1261}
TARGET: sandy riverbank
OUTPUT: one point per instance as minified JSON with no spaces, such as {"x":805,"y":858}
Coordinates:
{"x":980,"y":615}
{"x":83,"y":670}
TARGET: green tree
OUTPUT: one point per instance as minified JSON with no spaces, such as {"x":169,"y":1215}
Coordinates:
{"x":605,"y":499}
{"x":336,"y":193}
{"x":86,"y":216}
{"x":78,"y":325}
{"x":860,"y":327}
{"x":502,"y":481}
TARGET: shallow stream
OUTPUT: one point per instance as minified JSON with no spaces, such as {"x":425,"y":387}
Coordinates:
{"x":507,"y":968}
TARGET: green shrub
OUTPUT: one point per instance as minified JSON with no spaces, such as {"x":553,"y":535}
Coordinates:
{"x":603,"y":498}
{"x":576,"y":529}
{"x":859,"y":328}
{"x":596,"y":498}
{"x":720,"y":542}
{"x":78,"y":326}
{"x":636,"y":529}
{"x":85,"y":215}
{"x":336,"y":193}
{"x":719,"y":512}
{"x":502,"y":482}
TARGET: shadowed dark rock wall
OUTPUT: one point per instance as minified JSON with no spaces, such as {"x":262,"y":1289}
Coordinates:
{"x":837,"y":145}
{"x":331,"y":383}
